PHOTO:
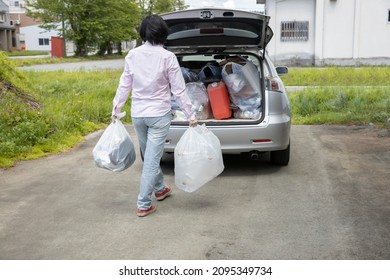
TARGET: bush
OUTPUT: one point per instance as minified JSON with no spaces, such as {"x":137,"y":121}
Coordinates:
{"x":338,"y":76}
{"x":70,"y":106}
{"x":21,"y":123}
{"x":341,"y":105}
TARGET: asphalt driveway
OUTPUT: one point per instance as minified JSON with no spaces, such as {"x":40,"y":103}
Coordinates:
{"x":330,"y":202}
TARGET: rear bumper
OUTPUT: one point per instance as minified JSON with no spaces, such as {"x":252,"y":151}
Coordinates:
{"x":272,"y":134}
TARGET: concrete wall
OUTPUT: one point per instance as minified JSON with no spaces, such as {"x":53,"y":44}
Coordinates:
{"x":356,"y":32}
{"x":297,"y":52}
{"x":341,"y":32}
{"x":338,"y":29}
{"x":374,"y":35}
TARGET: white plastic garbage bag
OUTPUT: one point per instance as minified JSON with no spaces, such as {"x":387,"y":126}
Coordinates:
{"x":243,"y":83}
{"x":198,"y":158}
{"x":197,"y":93}
{"x":114,"y":150}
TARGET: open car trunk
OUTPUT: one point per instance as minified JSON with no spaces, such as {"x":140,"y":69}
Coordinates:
{"x":223,"y":87}
{"x":221,"y":53}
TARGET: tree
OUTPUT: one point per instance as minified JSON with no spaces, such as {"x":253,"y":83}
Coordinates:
{"x":180,"y":5}
{"x":161,"y":6}
{"x":158,"y":7}
{"x":97,"y":22}
{"x":113,"y":30}
{"x":88,"y":22}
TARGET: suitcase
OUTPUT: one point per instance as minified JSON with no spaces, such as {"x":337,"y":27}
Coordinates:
{"x":219,"y":100}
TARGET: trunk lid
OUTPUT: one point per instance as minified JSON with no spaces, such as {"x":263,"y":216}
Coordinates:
{"x":217,"y":29}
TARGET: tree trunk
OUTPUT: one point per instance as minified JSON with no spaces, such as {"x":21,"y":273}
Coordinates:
{"x":119,"y":48}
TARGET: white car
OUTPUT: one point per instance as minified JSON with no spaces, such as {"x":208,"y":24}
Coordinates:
{"x":225,"y":51}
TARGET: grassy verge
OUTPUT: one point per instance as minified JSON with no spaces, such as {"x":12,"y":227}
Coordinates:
{"x":340,"y":95}
{"x":25,"y":53}
{"x":341,"y":105}
{"x":338,"y":76}
{"x":73,"y":104}
{"x":52,"y":60}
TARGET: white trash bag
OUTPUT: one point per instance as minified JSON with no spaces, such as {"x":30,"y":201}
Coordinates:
{"x":198,"y":158}
{"x":114,"y":150}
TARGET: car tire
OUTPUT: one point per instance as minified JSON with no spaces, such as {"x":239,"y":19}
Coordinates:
{"x":281,"y":157}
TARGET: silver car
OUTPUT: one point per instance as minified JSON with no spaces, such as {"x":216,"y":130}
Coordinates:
{"x":214,"y":45}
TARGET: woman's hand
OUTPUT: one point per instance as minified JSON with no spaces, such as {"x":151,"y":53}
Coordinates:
{"x":193,"y":123}
{"x":113,"y":119}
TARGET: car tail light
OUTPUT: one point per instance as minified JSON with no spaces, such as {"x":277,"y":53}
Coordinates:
{"x":274,"y":84}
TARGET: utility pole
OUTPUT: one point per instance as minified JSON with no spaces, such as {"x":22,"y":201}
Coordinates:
{"x":63,"y":32}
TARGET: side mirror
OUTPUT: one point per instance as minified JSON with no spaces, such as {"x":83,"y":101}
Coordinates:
{"x":281,"y":70}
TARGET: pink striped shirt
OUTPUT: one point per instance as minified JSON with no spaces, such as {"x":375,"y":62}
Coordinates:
{"x":152,"y":74}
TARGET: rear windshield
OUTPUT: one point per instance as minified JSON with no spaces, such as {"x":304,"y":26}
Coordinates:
{"x":221,"y":59}
{"x":226,"y":32}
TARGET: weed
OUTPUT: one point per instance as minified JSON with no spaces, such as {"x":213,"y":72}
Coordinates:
{"x":338,"y":76}
{"x":67,"y":107}
{"x":346,"y":105}
{"x":49,"y":112}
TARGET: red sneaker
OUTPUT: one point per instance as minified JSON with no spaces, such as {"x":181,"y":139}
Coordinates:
{"x":162,"y":195}
{"x":143,"y":213}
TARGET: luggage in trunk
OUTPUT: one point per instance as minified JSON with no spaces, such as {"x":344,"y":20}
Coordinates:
{"x":219,"y":100}
{"x":233,"y":86}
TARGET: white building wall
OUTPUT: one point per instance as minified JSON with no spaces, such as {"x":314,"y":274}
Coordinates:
{"x":338,"y":29}
{"x":15,"y":6}
{"x":374,"y":32}
{"x":342,"y":32}
{"x":32,"y":34}
{"x":297,"y":10}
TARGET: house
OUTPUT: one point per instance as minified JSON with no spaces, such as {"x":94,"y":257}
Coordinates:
{"x":329,"y":32}
{"x":35,"y":38}
{"x":28,"y":35}
{"x":15,"y":6}
{"x":7,"y":30}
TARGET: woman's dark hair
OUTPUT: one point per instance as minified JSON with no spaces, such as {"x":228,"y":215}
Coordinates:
{"x":154,"y":29}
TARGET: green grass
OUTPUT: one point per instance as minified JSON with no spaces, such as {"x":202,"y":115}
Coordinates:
{"x":25,"y":53}
{"x":338,"y":76}
{"x":74,"y":97}
{"x":52,"y":60}
{"x":341,"y":105}
{"x":76,"y":103}
{"x":340,"y":95}
{"x":73,"y":104}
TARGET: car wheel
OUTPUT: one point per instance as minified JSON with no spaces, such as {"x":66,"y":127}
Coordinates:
{"x":281,"y":157}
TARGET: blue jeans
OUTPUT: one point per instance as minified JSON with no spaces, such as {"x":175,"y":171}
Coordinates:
{"x":151,"y":133}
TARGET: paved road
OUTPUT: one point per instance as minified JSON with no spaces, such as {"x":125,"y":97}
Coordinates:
{"x":331,"y":202}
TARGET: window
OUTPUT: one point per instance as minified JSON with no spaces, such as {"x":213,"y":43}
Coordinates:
{"x":295,"y":31}
{"x":2,"y":17}
{"x":388,"y":16}
{"x":44,"y":41}
{"x":16,"y":3}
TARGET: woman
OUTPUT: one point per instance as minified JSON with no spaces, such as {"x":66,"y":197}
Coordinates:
{"x":152,"y":74}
